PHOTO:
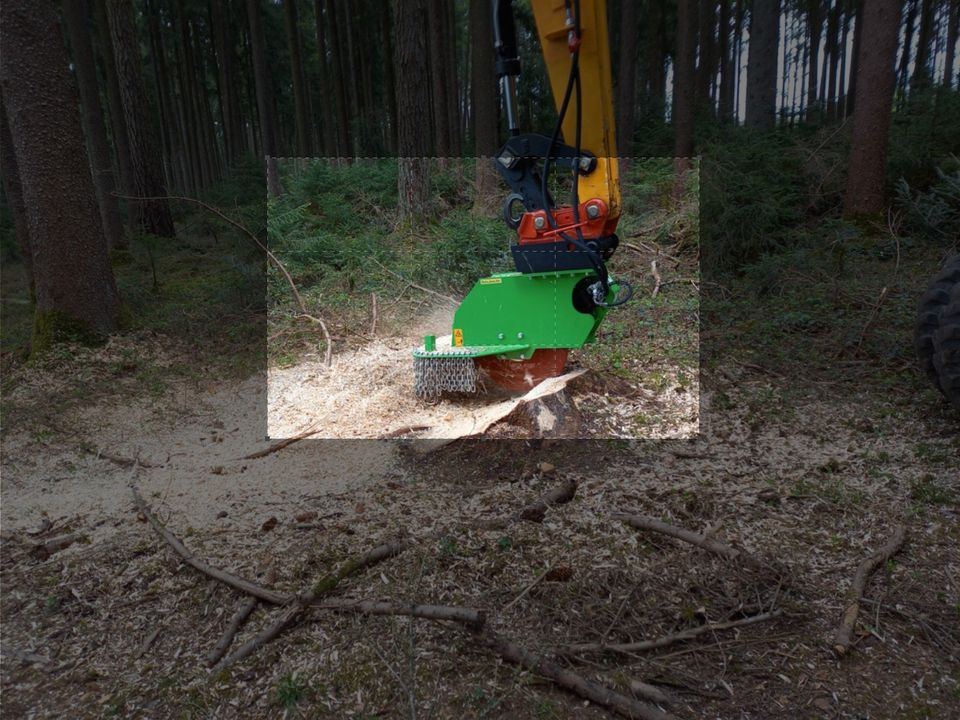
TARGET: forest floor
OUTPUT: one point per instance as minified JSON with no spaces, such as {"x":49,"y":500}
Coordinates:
{"x":808,"y":473}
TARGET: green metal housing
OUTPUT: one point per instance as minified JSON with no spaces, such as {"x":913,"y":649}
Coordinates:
{"x":514,"y":314}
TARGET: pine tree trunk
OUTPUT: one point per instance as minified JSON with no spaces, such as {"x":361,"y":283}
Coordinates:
{"x":904,"y":71}
{"x":707,"y":69}
{"x":171,"y":130}
{"x":854,"y":58}
{"x":76,"y":21}
{"x":683,"y":94}
{"x":762,"y":64}
{"x":627,"y":80}
{"x":813,"y":34}
{"x":153,"y":215}
{"x":76,"y":298}
{"x":227,"y":82}
{"x":344,"y":148}
{"x":871,"y":119}
{"x":264,"y":93}
{"x":301,"y":121}
{"x":921,"y":69}
{"x":437,"y":29}
{"x":725,"y":94}
{"x":13,"y":192}
{"x":833,"y":42}
{"x":483,"y":101}
{"x":953,"y":26}
{"x":412,"y":107}
{"x":326,"y":93}
{"x":453,"y":85}
{"x":118,"y":123}
{"x":386,"y":32}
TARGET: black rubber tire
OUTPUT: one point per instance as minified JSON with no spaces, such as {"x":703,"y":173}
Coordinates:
{"x":946,"y":349}
{"x":929,"y":309}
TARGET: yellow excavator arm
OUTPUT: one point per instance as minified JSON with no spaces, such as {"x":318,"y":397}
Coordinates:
{"x":598,"y":130}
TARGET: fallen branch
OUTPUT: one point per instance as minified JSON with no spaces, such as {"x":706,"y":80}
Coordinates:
{"x":537,"y":510}
{"x":651,"y":692}
{"x":324,"y":586}
{"x":234,"y":581}
{"x":866,"y":568}
{"x":43,"y":550}
{"x":656,"y":277}
{"x":587,"y":689}
{"x":702,"y":541}
{"x":683,"y":635}
{"x":472,"y":619}
{"x":246,"y":607}
{"x":373,"y":314}
{"x":413,"y":284}
{"x":148,"y":641}
{"x":120,"y":460}
{"x":404,"y":430}
{"x":270,"y":256}
{"x":281,"y":445}
{"x":528,"y":588}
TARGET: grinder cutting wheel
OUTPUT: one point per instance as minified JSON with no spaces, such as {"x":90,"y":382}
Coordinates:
{"x":520,"y":326}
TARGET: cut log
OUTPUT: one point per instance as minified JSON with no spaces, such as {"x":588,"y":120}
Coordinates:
{"x":563,"y":493}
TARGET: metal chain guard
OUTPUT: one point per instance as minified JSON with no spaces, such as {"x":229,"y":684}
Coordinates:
{"x":434,"y":376}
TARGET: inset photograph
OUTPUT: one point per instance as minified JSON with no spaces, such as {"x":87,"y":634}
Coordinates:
{"x":435,"y":299}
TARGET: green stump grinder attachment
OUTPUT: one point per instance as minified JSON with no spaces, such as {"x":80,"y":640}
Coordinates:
{"x":507,"y":318}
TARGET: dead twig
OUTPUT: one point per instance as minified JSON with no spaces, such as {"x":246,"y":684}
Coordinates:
{"x":683,"y":635}
{"x":404,"y":430}
{"x":537,"y":510}
{"x":527,"y":589}
{"x":373,"y":314}
{"x":323,"y":587}
{"x":234,"y":581}
{"x":412,"y":284}
{"x":472,"y":619}
{"x":656,"y":276}
{"x":841,"y":642}
{"x":120,"y":460}
{"x":148,"y":641}
{"x":43,"y":550}
{"x":270,"y":256}
{"x":246,"y":607}
{"x":702,"y":541}
{"x":281,"y":444}
{"x":587,"y":689}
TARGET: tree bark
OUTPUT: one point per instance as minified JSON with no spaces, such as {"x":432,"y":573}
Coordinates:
{"x":76,"y":297}
{"x":412,"y":107}
{"x":386,"y":32}
{"x":813,"y":38}
{"x":762,"y":64}
{"x":903,"y":72}
{"x":153,"y":215}
{"x":483,"y":100}
{"x":683,"y":94}
{"x":326,"y":115}
{"x":953,"y":26}
{"x":344,"y":148}
{"x":226,"y":64}
{"x":871,"y":119}
{"x":707,"y":69}
{"x":301,"y":121}
{"x":725,"y":93}
{"x":921,"y":70}
{"x":437,"y":28}
{"x":627,"y":80}
{"x":118,"y":124}
{"x":13,"y":192}
{"x":76,"y":21}
{"x":832,"y":60}
{"x":855,"y":58}
{"x":264,"y":93}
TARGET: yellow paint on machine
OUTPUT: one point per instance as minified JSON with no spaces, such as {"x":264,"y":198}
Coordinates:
{"x":457,"y":337}
{"x":491,"y":281}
